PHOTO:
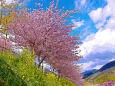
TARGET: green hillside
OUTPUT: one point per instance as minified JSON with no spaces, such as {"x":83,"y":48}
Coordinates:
{"x":100,"y":77}
{"x":22,"y":71}
{"x":8,"y":77}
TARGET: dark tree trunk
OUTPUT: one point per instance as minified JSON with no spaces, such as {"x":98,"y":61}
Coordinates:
{"x":40,"y":62}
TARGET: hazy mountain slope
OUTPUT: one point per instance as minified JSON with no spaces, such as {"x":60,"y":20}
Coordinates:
{"x":88,"y":73}
{"x":108,"y":65}
{"x":105,"y":73}
{"x":100,"y":77}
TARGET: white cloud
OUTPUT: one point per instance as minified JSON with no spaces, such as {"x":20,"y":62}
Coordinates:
{"x":78,"y":24}
{"x":96,"y":14}
{"x":99,"y":47}
{"x":86,"y":66}
{"x":100,"y":24}
{"x":100,"y":15}
{"x":102,"y":41}
{"x":110,"y":23}
{"x":98,"y":67}
{"x":83,"y":2}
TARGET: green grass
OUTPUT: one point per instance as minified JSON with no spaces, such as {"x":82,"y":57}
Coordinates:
{"x":22,"y":71}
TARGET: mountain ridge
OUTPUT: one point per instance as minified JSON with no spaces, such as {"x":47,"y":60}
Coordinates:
{"x":105,"y":67}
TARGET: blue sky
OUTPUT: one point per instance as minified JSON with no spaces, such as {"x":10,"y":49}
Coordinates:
{"x":96,"y":25}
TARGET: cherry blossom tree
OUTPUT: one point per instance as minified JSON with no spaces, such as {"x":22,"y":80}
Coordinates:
{"x":7,"y":14}
{"x":48,"y":34}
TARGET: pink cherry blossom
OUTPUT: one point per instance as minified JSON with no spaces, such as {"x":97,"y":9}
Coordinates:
{"x":48,"y":34}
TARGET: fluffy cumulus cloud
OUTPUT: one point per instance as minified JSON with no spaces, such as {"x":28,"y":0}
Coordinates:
{"x":100,"y":42}
{"x":101,"y":16}
{"x":77,"y":24}
{"x":96,"y":14}
{"x":99,"y":47}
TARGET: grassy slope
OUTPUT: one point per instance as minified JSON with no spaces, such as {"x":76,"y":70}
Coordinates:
{"x":100,"y":77}
{"x":7,"y":76}
{"x":22,"y":72}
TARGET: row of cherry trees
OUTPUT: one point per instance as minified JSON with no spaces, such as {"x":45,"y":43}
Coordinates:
{"x":47,"y":33}
{"x":7,"y":14}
